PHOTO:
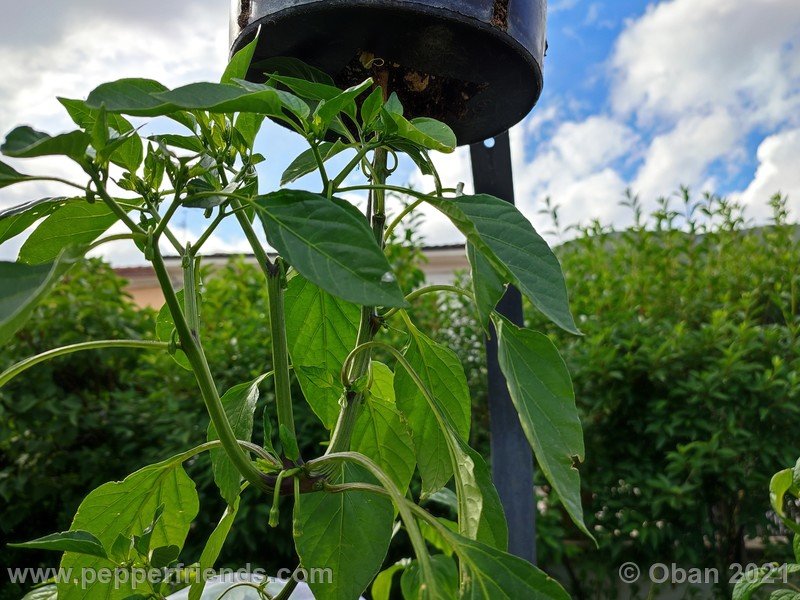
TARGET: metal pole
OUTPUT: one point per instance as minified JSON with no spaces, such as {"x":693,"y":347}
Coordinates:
{"x":512,"y":459}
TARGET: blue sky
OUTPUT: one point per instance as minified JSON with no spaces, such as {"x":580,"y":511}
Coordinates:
{"x":646,"y":95}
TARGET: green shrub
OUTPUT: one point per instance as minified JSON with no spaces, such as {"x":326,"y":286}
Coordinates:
{"x":688,"y":381}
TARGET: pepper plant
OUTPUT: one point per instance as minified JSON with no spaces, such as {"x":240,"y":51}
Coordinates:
{"x":332,"y":294}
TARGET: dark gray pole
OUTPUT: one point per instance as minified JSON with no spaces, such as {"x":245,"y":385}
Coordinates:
{"x":512,"y":460}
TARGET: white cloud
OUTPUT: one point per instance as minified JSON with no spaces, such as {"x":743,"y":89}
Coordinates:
{"x":576,"y":168}
{"x":777,"y":172}
{"x":560,"y":5}
{"x":683,"y":155}
{"x":102,"y":49}
{"x":702,"y":76}
{"x":698,"y":56}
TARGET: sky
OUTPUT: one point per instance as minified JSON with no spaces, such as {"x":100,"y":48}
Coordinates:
{"x":641,"y":95}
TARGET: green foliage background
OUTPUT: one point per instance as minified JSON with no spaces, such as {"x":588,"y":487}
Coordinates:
{"x":687,"y":380}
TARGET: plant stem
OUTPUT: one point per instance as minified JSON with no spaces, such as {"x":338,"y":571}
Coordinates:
{"x":207,"y":233}
{"x":340,"y":440}
{"x":264,"y":263}
{"x":172,"y":239}
{"x":396,"y":221}
{"x":162,"y":222}
{"x":427,"y":290}
{"x":288,"y":587}
{"x":112,"y":204}
{"x":56,"y":179}
{"x":115,"y":238}
{"x":326,"y":183}
{"x":280,"y":349}
{"x":208,"y":390}
{"x":395,"y":188}
{"x":350,"y":166}
{"x":190,"y":308}
{"x":27,"y":363}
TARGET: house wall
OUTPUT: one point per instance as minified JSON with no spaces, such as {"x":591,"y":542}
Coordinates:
{"x":442,"y":264}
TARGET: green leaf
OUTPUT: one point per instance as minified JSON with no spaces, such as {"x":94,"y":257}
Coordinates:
{"x":541,"y":390}
{"x":266,"y":420}
{"x":482,"y":517}
{"x":163,"y":556}
{"x":44,"y":592}
{"x":380,"y":433}
{"x":23,"y":286}
{"x":508,"y":241}
{"x":751,"y":580}
{"x":127,"y":152}
{"x":425,"y":132}
{"x":371,"y":107}
{"x":128,"y":507}
{"x":213,"y":547}
{"x":393,"y":105}
{"x":487,"y":286}
{"x":381,"y":588}
{"x":782,"y":483}
{"x":240,"y":63}
{"x":239,"y":403}
{"x":495,"y":574}
{"x":444,"y":572}
{"x":347,"y":532}
{"x":444,"y":497}
{"x":73,"y":223}
{"x":342,"y":102}
{"x":17,"y":219}
{"x":322,"y":390}
{"x":321,"y":330}
{"x":81,"y":542}
{"x":418,"y":155}
{"x":330,"y":244}
{"x":308,"y":90}
{"x":784,"y":595}
{"x":10,"y":176}
{"x":223,"y":98}
{"x":141,"y":543}
{"x":306,"y":163}
{"x":435,"y":538}
{"x":165,"y":326}
{"x":25,"y":142}
{"x":185,"y":142}
{"x":120,"y":550}
{"x":442,"y":373}
{"x":293,"y":67}
{"x":288,"y":443}
{"x":248,"y":125}
{"x":130,"y":97}
{"x":290,"y":102}
{"x":443,"y":137}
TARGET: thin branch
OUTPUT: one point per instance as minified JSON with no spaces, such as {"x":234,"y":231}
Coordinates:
{"x":27,"y":363}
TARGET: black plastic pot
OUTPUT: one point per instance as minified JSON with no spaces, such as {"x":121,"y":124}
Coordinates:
{"x":474,"y":64}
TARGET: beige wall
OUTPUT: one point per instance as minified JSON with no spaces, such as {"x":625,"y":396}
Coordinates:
{"x":443,"y":262}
